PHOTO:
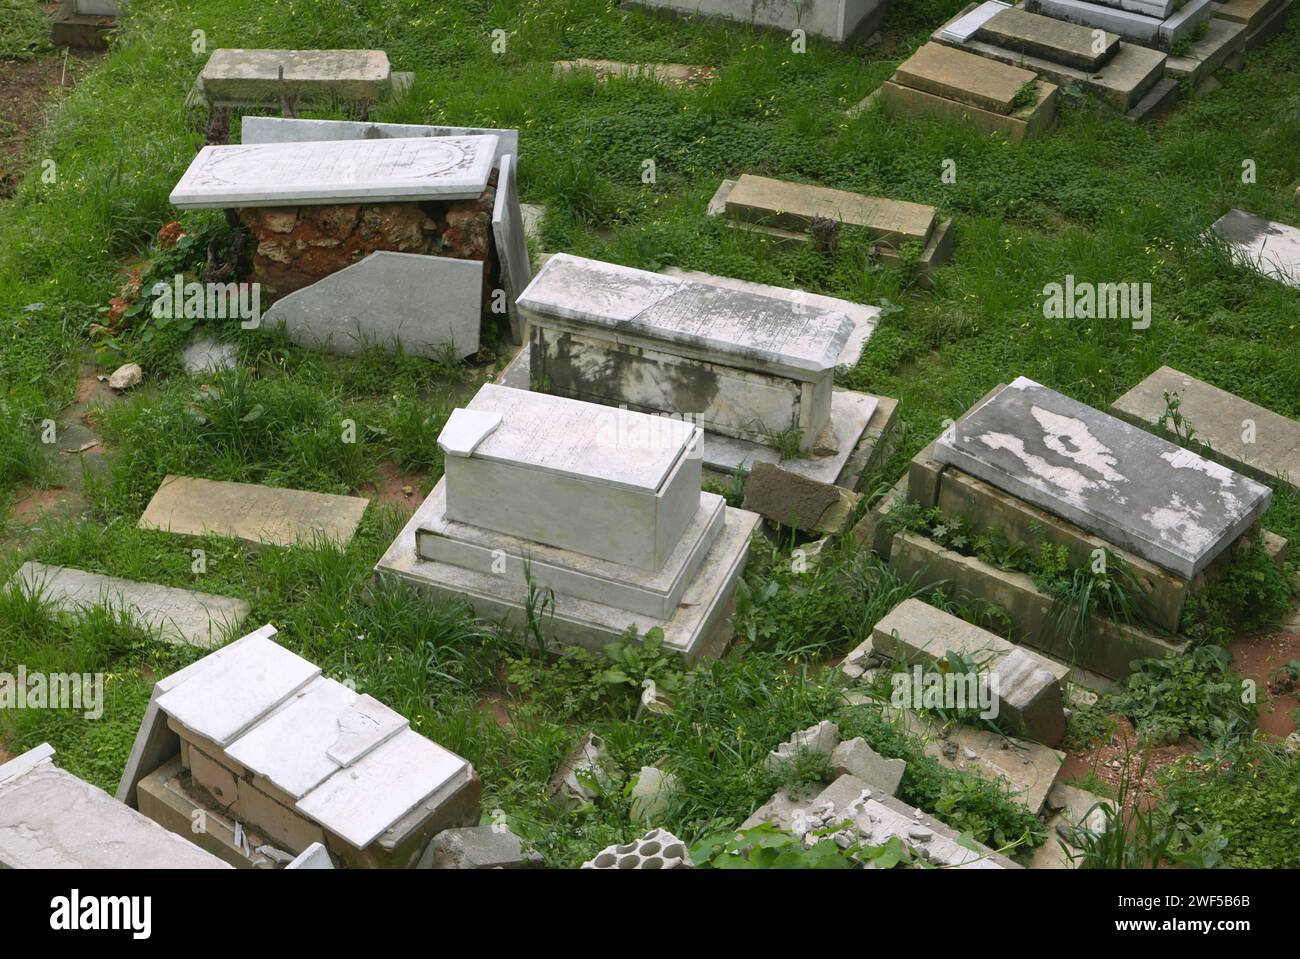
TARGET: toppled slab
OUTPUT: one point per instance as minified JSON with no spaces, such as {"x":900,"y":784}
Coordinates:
{"x":670,"y":74}
{"x":1245,"y":436}
{"x":797,"y":502}
{"x":1269,"y":248}
{"x":50,"y":819}
{"x":424,"y":305}
{"x":510,"y":231}
{"x":258,"y":514}
{"x":1027,"y":686}
{"x":251,"y":76}
{"x":1142,"y":493}
{"x":176,"y":615}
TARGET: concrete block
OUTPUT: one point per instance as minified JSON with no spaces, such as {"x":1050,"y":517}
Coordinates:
{"x":796,"y":502}
{"x":854,"y":757}
{"x":820,"y":739}
{"x":478,"y":847}
{"x":657,"y":849}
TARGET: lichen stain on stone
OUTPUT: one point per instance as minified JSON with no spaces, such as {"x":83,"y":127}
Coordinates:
{"x":1069,"y":482}
{"x":1071,"y":438}
{"x":619,"y":374}
{"x":1178,"y":524}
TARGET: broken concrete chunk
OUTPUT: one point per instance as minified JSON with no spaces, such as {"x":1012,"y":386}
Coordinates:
{"x":821,"y":738}
{"x":125,"y":377}
{"x":478,"y":847}
{"x":651,"y":794}
{"x":854,"y":757}
{"x":589,"y":761}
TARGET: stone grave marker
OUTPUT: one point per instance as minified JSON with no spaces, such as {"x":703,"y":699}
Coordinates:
{"x":964,"y":77}
{"x":840,"y":21}
{"x":1269,"y":248}
{"x":257,"y":130}
{"x":1058,"y":40}
{"x":512,"y":244}
{"x":1142,"y":493}
{"x":251,"y":75}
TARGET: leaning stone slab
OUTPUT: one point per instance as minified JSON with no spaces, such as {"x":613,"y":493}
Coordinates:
{"x":1166,"y":504}
{"x":1027,"y":687}
{"x":1270,"y":249}
{"x":964,"y":77}
{"x":238,"y":75}
{"x":1057,"y":40}
{"x":797,"y":502}
{"x":259,"y":514}
{"x":1223,"y":423}
{"x":50,"y":819}
{"x":794,"y":206}
{"x":337,"y":172}
{"x":841,"y":21}
{"x":424,"y":305}
{"x":177,"y":615}
{"x":254,"y":130}
{"x":511,"y":235}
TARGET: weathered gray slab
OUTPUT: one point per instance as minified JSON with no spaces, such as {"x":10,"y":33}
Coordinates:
{"x":95,"y":8}
{"x":423,"y":304}
{"x":610,"y":483}
{"x":177,"y":615}
{"x":253,"y":130}
{"x":1168,"y":505}
{"x":234,"y":75}
{"x":1131,"y":26}
{"x":767,"y":333}
{"x":863,"y":317}
{"x":954,"y":74}
{"x":510,"y":232}
{"x":203,"y":354}
{"x":363,"y":800}
{"x":1057,"y":40}
{"x":795,"y":206}
{"x":323,"y":728}
{"x":968,"y":24}
{"x":837,"y":20}
{"x":259,"y":514}
{"x":1160,"y":9}
{"x":1247,"y":437}
{"x":337,"y":171}
{"x":237,"y":689}
{"x":1269,"y":248}
{"x":50,"y":819}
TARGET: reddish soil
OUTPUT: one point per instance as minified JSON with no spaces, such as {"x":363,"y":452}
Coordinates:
{"x":405,"y":488}
{"x":1107,"y":762}
{"x":26,"y":89}
{"x":496,"y":706}
{"x":1261,"y":658}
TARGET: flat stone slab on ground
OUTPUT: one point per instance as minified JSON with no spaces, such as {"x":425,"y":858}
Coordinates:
{"x":1269,"y":248}
{"x":337,"y":171}
{"x":50,"y":819}
{"x":424,"y":305}
{"x":253,"y":75}
{"x":969,"y":22}
{"x":672,"y":74}
{"x":1166,"y":504}
{"x":794,"y":206}
{"x":268,"y":515}
{"x":964,"y":77}
{"x":177,"y":615}
{"x":1220,"y":419}
{"x":253,"y":130}
{"x":1058,"y":40}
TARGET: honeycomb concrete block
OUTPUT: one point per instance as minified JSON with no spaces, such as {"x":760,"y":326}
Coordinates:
{"x":657,"y":849}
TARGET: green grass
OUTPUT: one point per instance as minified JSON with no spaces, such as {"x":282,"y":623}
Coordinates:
{"x":24,"y":30}
{"x":1100,"y":199}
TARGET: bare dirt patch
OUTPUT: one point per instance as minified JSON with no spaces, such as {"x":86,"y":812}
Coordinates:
{"x":405,"y":488}
{"x":1109,"y":761}
{"x":26,"y":89}
{"x":1263,"y":658}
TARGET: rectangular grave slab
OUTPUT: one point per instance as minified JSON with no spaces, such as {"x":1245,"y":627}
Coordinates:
{"x":177,"y":615}
{"x":238,"y":75}
{"x":964,"y":77}
{"x":1032,"y":120}
{"x":1253,"y":13}
{"x":426,"y":305}
{"x":259,"y":514}
{"x":1129,"y":25}
{"x":1057,"y":40}
{"x":337,"y":171}
{"x":1028,"y":686}
{"x":734,"y":362}
{"x":512,"y":244}
{"x":1219,"y":418}
{"x":969,"y":22}
{"x":837,"y":20}
{"x":1269,"y":248}
{"x":1160,"y":9}
{"x":794,"y":206}
{"x":608,"y":483}
{"x":50,"y":819}
{"x":1166,"y":504}
{"x":255,"y":130}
